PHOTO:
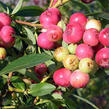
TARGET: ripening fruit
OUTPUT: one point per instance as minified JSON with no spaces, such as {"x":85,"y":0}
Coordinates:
{"x":84,"y":51}
{"x":87,"y":1}
{"x":50,"y":16}
{"x":36,"y":2}
{"x":60,"y":53}
{"x":102,"y":57}
{"x":43,"y":42}
{"x":41,"y":69}
{"x":73,"y":33}
{"x":93,"y":23}
{"x":62,"y":77}
{"x":54,"y":33}
{"x":79,"y":79}
{"x":86,"y":65}
{"x":71,"y":62}
{"x":91,"y":37}
{"x":72,"y":48}
{"x":104,"y":37}
{"x":2,"y":53}
{"x":6,"y":36}
{"x":78,"y":18}
{"x":4,"y":20}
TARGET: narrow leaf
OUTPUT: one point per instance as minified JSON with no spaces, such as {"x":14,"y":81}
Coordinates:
{"x":41,"y":89}
{"x":18,"y":6}
{"x":25,"y":62}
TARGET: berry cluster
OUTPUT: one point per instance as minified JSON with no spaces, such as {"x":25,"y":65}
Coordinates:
{"x":6,"y":34}
{"x":87,"y":46}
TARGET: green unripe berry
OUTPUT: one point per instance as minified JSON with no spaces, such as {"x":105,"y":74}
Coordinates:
{"x":2,"y":53}
{"x":72,"y":48}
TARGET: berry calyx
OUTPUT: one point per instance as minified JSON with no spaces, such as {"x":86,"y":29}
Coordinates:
{"x":73,"y":33}
{"x":104,"y":37}
{"x":86,"y":65}
{"x":41,"y":69}
{"x":43,"y":41}
{"x":6,"y":36}
{"x":79,"y":79}
{"x":60,"y":53}
{"x":2,"y":53}
{"x":54,"y":33}
{"x":78,"y":18}
{"x":62,"y":77}
{"x":91,"y":37}
{"x":71,"y":62}
{"x":102,"y":57}
{"x":93,"y":23}
{"x":84,"y":51}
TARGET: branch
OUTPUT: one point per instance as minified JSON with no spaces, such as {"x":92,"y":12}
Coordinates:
{"x":29,"y":24}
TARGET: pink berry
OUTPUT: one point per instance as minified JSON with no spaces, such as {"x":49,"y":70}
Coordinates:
{"x":6,"y":36}
{"x":102,"y":57}
{"x":36,"y":2}
{"x":87,"y":1}
{"x":79,"y":79}
{"x":104,"y":37}
{"x":4,"y":20}
{"x":43,"y":42}
{"x":84,"y":51}
{"x":78,"y":18}
{"x":73,"y":33}
{"x":40,"y":68}
{"x":91,"y":37}
{"x":50,"y":16}
{"x":62,"y":77}
{"x":54,"y":33}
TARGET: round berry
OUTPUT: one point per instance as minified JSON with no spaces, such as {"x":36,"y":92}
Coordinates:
{"x":60,"y":53}
{"x":87,"y":1}
{"x":41,"y":69}
{"x":84,"y":51}
{"x":62,"y":77}
{"x":50,"y":16}
{"x":43,"y":42}
{"x":102,"y":57}
{"x":104,"y":37}
{"x":72,"y":48}
{"x":91,"y":37}
{"x":93,"y":23}
{"x":2,"y":53}
{"x":71,"y":62}
{"x":6,"y":36}
{"x":78,"y":18}
{"x":73,"y":33}
{"x":79,"y":79}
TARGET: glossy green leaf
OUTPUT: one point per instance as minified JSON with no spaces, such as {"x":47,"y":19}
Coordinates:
{"x":18,"y":6}
{"x":104,"y":15}
{"x":25,"y":62}
{"x":41,"y":89}
{"x":30,"y":11}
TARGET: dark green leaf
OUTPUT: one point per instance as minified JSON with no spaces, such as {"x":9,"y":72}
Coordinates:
{"x":104,"y":15}
{"x":41,"y":89}
{"x":106,"y":71}
{"x":18,"y":6}
{"x":30,"y":11}
{"x":25,"y":62}
{"x":51,"y":105}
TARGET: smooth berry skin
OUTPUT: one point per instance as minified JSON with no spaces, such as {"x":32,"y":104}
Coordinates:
{"x":84,"y":51}
{"x":102,"y":57}
{"x":44,"y":42}
{"x":78,"y":18}
{"x":73,"y":33}
{"x":50,"y":16}
{"x":41,"y":69}
{"x":104,"y":37}
{"x":36,"y":2}
{"x":79,"y":79}
{"x":6,"y":36}
{"x":4,"y":20}
{"x":91,"y":37}
{"x":87,"y":1}
{"x":62,"y":77}
{"x":2,"y":53}
{"x":54,"y":33}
